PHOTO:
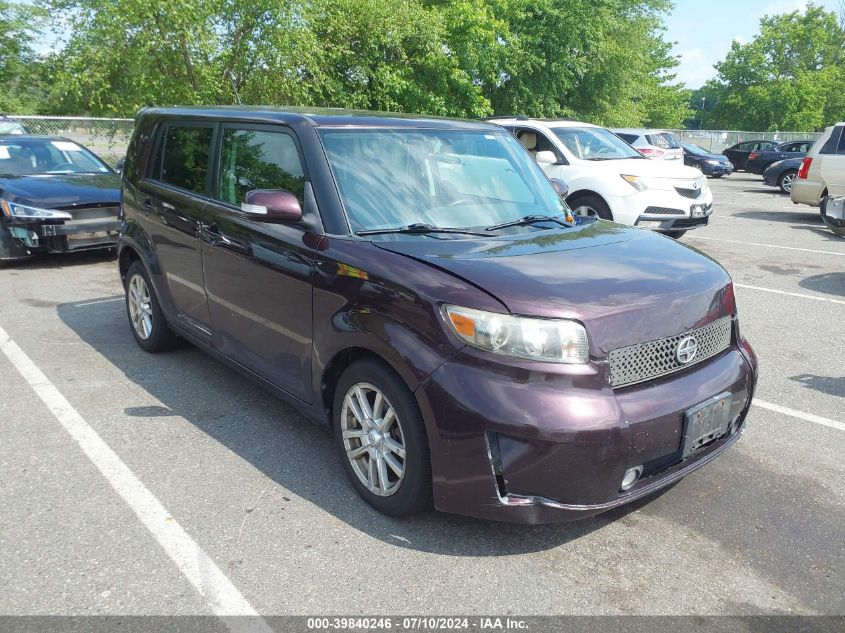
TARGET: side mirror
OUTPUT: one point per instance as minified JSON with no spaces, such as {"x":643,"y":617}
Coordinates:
{"x":547,"y":158}
{"x":119,"y":167}
{"x":272,"y":205}
{"x":561,"y":187}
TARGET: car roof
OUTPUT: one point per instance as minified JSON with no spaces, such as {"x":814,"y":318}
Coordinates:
{"x":317,"y":117}
{"x":35,"y":137}
{"x":638,"y":130}
{"x":550,"y":123}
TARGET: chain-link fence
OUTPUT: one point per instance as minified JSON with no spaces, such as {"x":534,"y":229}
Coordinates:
{"x":107,"y":138}
{"x":718,"y":140}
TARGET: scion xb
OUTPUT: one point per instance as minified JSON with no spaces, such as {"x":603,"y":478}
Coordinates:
{"x":419,"y":286}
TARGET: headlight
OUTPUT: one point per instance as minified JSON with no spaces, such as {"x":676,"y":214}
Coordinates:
{"x":713,"y":162}
{"x":636,"y":182}
{"x":549,"y":340}
{"x":15,"y":210}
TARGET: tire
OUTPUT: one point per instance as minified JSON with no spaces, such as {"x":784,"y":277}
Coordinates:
{"x":148,"y":325}
{"x":591,"y":205}
{"x":675,"y":235}
{"x":786,"y":179}
{"x":366,"y":456}
{"x":717,"y":175}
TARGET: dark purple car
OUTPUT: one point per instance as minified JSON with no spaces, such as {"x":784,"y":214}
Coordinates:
{"x":418,"y":285}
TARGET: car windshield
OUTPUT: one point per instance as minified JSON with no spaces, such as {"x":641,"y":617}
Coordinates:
{"x":694,"y":149}
{"x":595,"y":143}
{"x":30,"y":156}
{"x":389,"y":179}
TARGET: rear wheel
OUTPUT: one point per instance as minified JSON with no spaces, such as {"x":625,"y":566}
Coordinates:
{"x":145,"y":316}
{"x":382,"y":440}
{"x":591,"y":206}
{"x":786,"y":179}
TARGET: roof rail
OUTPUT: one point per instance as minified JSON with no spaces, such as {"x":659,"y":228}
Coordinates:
{"x":518,"y":117}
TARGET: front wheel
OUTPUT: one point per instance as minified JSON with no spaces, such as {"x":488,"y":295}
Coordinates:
{"x":591,"y":206}
{"x":382,"y":441}
{"x":786,"y":180}
{"x":145,"y":316}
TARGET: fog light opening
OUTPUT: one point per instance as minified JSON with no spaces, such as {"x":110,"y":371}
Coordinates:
{"x":631,"y":477}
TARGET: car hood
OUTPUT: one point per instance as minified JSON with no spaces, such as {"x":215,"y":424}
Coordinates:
{"x":626,"y":285}
{"x":646,"y":168}
{"x":62,"y":191}
{"x":710,"y":156}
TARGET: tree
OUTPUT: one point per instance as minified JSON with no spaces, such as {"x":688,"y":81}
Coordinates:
{"x":789,"y":77}
{"x":21,"y":82}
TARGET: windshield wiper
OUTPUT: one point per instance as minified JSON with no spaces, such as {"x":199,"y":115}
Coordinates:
{"x":419,"y":229}
{"x":529,"y":219}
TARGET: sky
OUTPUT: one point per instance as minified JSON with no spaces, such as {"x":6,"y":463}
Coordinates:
{"x":704,"y":30}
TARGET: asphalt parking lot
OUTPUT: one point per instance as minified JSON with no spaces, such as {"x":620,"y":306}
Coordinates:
{"x":254,"y":511}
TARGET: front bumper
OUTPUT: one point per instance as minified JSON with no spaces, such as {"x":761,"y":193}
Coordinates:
{"x":722,"y":169}
{"x":27,"y":238}
{"x":515,"y":446}
{"x":666,"y":207}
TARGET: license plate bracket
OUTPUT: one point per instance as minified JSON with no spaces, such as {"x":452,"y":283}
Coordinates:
{"x":706,"y":422}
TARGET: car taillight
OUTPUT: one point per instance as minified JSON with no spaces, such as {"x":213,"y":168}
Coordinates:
{"x":805,"y":168}
{"x":753,"y":155}
{"x":648,"y":152}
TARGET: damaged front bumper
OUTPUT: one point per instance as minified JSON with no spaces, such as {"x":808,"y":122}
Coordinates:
{"x":21,"y":239}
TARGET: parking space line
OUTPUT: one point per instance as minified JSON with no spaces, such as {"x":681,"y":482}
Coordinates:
{"x":93,"y":303}
{"x":801,"y":415}
{"x":221,"y":595}
{"x":789,"y":294}
{"x":788,"y":248}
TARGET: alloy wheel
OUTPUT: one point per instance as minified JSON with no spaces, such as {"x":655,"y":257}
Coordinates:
{"x":586,"y":211}
{"x":140,"y":307}
{"x":786,"y":182}
{"x":373,"y":439}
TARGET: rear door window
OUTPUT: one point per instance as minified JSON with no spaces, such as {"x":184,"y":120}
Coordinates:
{"x":258,"y":159}
{"x":182,"y":157}
{"x":840,"y":149}
{"x":664,"y":140}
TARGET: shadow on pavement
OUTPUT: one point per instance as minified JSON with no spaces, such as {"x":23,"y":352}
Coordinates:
{"x":828,"y":283}
{"x":297,"y":454}
{"x":825,"y":384}
{"x":61,"y":260}
{"x":790,"y":217}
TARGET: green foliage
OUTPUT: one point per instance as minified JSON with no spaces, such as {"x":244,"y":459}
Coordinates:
{"x":20,"y":77}
{"x":789,"y":77}
{"x":601,"y":60}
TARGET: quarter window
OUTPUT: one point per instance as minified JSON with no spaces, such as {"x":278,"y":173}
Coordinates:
{"x":840,"y":149}
{"x":182,"y":159}
{"x":255,"y":159}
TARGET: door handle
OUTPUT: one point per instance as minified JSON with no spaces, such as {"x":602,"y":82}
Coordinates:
{"x":211,"y":234}
{"x":147,"y":206}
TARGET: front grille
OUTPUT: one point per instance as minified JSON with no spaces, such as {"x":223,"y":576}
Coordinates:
{"x":692,"y":194}
{"x":664,"y":211}
{"x":93,"y":212}
{"x":644,"y":361}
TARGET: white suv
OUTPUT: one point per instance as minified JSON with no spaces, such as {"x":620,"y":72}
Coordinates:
{"x":610,"y":180}
{"x":822,"y":173}
{"x":655,"y":144}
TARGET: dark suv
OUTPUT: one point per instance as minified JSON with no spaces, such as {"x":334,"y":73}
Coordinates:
{"x":418,"y":285}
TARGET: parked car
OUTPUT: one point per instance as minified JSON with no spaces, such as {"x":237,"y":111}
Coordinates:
{"x":415,"y":284}
{"x":55,"y":196}
{"x":822,"y":172}
{"x":782,"y":174}
{"x":758,"y":162}
{"x":657,"y":144}
{"x":708,"y":163}
{"x":833,"y":214}
{"x":11,"y":126}
{"x":609,"y":179}
{"x":738,"y":154}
